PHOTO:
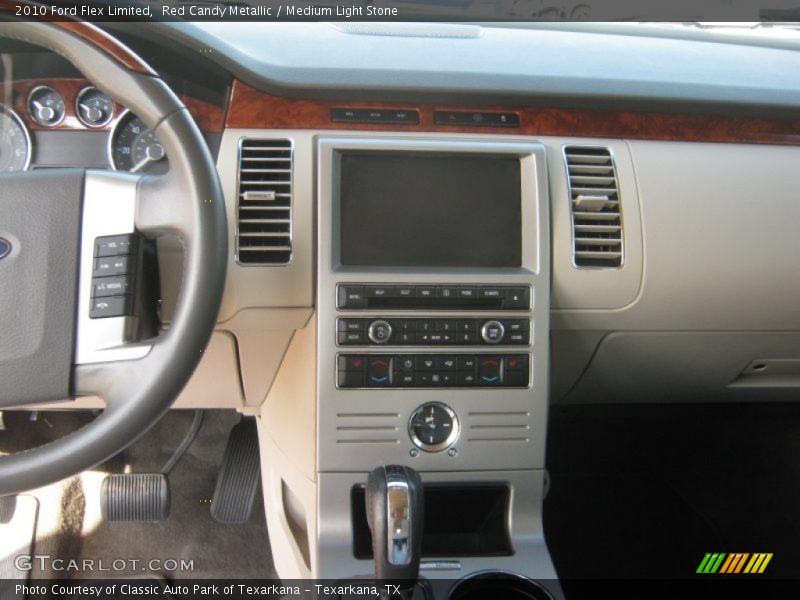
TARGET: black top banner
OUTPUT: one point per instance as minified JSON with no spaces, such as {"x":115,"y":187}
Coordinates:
{"x":747,"y":12}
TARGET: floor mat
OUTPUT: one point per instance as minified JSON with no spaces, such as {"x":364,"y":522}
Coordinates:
{"x":199,"y":546}
{"x":16,"y":541}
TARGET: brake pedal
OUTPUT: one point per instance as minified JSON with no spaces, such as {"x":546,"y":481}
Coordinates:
{"x":135,"y":498}
{"x":239,"y":475}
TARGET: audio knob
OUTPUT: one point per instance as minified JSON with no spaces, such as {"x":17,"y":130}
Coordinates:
{"x":379,"y":332}
{"x":492,"y":332}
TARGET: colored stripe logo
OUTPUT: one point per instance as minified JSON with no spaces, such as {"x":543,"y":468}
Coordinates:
{"x":734,"y":563}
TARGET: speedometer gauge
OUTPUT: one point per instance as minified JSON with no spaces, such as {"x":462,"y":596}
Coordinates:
{"x":135,"y":148}
{"x":15,"y":143}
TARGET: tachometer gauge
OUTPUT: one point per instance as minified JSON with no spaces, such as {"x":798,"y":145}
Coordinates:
{"x":93,"y":107}
{"x":15,"y":142}
{"x":135,"y":148}
{"x":46,"y":106}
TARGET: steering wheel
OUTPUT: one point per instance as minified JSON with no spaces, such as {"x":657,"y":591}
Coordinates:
{"x":50,"y":347}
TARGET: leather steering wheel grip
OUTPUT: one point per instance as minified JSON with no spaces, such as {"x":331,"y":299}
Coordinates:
{"x":187,"y":201}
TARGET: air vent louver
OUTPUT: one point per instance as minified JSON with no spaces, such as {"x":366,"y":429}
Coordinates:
{"x":264,"y":215}
{"x":594,"y":202}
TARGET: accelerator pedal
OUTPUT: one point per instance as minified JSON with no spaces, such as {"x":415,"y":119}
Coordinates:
{"x":239,"y":475}
{"x":135,"y":498}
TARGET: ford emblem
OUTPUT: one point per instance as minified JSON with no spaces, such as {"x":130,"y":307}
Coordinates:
{"x":5,"y":248}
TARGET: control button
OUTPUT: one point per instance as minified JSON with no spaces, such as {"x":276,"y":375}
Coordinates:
{"x":379,"y":371}
{"x":113,"y":265}
{"x":515,"y":378}
{"x":466,"y":339}
{"x":351,"y":297}
{"x":406,"y":291}
{"x":351,"y":362}
{"x":446,"y":325}
{"x":351,"y":379}
{"x":114,"y":245}
{"x":489,"y":371}
{"x":517,"y":330}
{"x":350,"y":338}
{"x":433,"y":427}
{"x":466,"y":363}
{"x":403,"y":325}
{"x":492,"y":332}
{"x":468,"y":326}
{"x":351,"y":325}
{"x":517,"y":297}
{"x":465,"y":378}
{"x":404,"y":363}
{"x":446,"y":292}
{"x":467,"y":293}
{"x":379,"y":332}
{"x":426,"y":325}
{"x":439,"y":338}
{"x":426,"y":291}
{"x":111,"y":306}
{"x":379,"y":291}
{"x":404,"y":339}
{"x":442,"y":379}
{"x":446,"y":363}
{"x":423,"y":379}
{"x":423,"y":339}
{"x":409,"y":117}
{"x":491,"y":293}
{"x":515,"y":362}
{"x":404,"y":378}
{"x":111,"y":286}
{"x":426,"y":363}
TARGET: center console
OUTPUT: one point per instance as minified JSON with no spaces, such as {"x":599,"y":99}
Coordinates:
{"x":433,"y":294}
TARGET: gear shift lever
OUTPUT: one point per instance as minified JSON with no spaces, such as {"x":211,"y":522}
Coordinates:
{"x":395,"y":517}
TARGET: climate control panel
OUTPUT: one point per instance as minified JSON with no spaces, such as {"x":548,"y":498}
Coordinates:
{"x":432,"y":370}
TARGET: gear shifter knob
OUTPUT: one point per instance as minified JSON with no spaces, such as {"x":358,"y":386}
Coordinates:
{"x":395,"y":517}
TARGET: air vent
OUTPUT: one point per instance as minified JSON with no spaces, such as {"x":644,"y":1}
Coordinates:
{"x":594,"y":199}
{"x":264,"y":236}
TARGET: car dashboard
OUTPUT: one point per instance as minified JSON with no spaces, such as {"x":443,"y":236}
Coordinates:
{"x":438,"y":232}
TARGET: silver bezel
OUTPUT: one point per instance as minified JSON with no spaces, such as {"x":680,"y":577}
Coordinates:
{"x":15,"y":117}
{"x":447,"y":443}
{"x":30,"y":112}
{"x":572,"y":214}
{"x":78,"y":113}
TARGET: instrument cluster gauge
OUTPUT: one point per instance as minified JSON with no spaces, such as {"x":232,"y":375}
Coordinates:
{"x":15,"y":142}
{"x":135,"y":148}
{"x":46,"y":106}
{"x":93,"y":107}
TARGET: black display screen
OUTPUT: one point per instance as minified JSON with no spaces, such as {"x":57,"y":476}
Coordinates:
{"x":402,"y":209}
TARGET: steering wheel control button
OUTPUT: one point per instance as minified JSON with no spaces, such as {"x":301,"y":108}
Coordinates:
{"x":380,"y":332}
{"x":493,"y":332}
{"x":111,"y":306}
{"x":111,"y":286}
{"x":379,"y":371}
{"x":433,"y":427}
{"x":115,"y":245}
{"x":113,"y":265}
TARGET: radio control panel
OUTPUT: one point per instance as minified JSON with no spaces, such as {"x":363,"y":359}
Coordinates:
{"x":393,"y":331}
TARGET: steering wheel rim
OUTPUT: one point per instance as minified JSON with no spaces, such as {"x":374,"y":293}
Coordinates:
{"x":140,"y":384}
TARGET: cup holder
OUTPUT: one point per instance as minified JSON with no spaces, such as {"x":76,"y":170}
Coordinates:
{"x":496,"y":584}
